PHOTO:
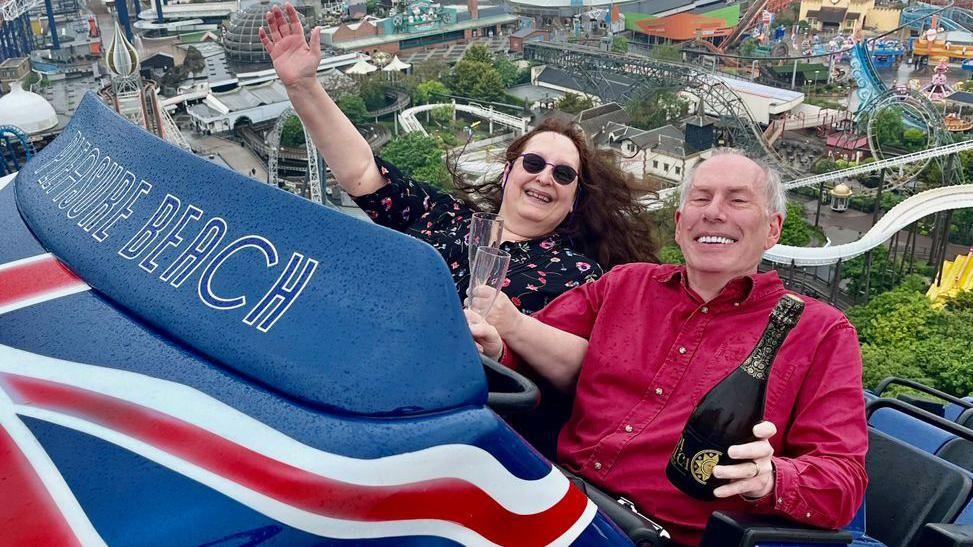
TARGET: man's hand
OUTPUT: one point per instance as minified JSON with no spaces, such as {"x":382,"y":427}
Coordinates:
{"x":754,"y":478}
{"x":295,"y":60}
{"x":484,"y":335}
{"x":503,"y":314}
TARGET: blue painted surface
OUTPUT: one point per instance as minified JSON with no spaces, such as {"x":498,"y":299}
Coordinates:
{"x":917,"y":433}
{"x":378,"y":313}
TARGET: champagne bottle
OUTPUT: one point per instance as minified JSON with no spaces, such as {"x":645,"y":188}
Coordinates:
{"x":727,"y":414}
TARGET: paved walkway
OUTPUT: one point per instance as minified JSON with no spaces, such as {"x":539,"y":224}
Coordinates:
{"x":238,"y":157}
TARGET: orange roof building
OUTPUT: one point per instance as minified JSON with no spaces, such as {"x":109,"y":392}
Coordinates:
{"x":684,"y":26}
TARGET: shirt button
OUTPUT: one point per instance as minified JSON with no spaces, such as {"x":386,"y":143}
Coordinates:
{"x":597,"y":465}
{"x":780,"y":500}
{"x":704,"y":309}
{"x":682,"y":349}
{"x":808,"y":515}
{"x":628,"y":429}
{"x":658,"y":391}
{"x":736,"y":304}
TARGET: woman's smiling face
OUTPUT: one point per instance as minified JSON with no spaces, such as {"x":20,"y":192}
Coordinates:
{"x":534,"y":205}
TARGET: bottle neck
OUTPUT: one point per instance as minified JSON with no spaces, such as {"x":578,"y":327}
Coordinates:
{"x":782,"y":319}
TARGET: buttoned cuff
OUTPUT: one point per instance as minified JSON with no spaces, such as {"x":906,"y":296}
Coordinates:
{"x":787,"y":499}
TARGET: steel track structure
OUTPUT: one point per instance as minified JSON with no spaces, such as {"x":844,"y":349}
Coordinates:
{"x":313,"y":167}
{"x":592,"y":69}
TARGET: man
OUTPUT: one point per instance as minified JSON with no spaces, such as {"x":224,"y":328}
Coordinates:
{"x":642,"y":345}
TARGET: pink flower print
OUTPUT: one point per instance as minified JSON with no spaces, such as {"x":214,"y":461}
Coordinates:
{"x":515,"y":301}
{"x":385,"y":170}
{"x":531,"y":287}
{"x":547,"y":244}
{"x":506,"y":282}
{"x":387,"y":203}
{"x":532,"y":266}
{"x":373,"y":215}
{"x":454,"y":265}
{"x":571,"y":284}
{"x":583,"y":266}
{"x":541,"y":273}
{"x":542,"y":280}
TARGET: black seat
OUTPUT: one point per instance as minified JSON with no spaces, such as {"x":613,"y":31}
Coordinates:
{"x":908,"y":488}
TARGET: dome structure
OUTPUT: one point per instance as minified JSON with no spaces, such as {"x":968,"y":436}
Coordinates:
{"x":841,"y":191}
{"x":26,"y":110}
{"x":242,"y":41}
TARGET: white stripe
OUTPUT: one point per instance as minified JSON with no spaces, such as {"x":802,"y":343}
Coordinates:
{"x":572,"y":533}
{"x":287,"y":514}
{"x":44,"y":297}
{"x":4,"y":181}
{"x":45,"y":469}
{"x":460,"y":461}
{"x":79,"y":286}
{"x":28,"y":260}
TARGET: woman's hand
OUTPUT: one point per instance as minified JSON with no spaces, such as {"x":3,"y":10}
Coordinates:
{"x":295,"y":61}
{"x":503,"y":314}
{"x":485,"y":336}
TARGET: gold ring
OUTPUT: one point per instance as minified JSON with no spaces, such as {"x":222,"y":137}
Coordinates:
{"x":756,"y":469}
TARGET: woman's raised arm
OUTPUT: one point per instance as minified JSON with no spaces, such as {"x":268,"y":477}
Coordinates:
{"x":296,"y":62}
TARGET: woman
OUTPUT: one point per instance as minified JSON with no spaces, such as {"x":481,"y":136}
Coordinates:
{"x":566,"y":207}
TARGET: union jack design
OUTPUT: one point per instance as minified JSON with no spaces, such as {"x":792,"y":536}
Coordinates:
{"x":456,"y":491}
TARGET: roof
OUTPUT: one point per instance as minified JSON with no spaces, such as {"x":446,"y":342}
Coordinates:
{"x":848,"y":141}
{"x":668,"y":140}
{"x":831,"y":15}
{"x":525,"y":32}
{"x":244,"y":98}
{"x":964,"y":97}
{"x":618,"y":84}
{"x":369,"y":41}
{"x":594,"y":120}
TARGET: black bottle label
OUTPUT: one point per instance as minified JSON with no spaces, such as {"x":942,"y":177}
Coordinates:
{"x":693,"y":461}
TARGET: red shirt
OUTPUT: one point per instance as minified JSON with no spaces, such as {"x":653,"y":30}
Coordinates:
{"x":655,"y":349}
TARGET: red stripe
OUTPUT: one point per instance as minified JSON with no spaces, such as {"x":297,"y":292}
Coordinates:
{"x":34,"y":278}
{"x":28,"y":515}
{"x":452,"y":500}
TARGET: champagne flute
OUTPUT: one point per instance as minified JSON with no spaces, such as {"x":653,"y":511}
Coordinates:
{"x":489,"y":269}
{"x":486,"y":230}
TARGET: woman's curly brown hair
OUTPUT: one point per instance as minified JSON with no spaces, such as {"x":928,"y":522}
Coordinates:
{"x":607,"y":225}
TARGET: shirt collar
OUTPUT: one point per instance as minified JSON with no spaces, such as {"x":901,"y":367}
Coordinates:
{"x":741,"y":289}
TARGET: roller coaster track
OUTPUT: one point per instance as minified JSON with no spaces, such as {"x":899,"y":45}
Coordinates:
{"x":410,"y":124}
{"x":745,"y":23}
{"x":956,"y":18}
{"x":591,"y":68}
{"x":899,"y":217}
{"x":889,"y":163}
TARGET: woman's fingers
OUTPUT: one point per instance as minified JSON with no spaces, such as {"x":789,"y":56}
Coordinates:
{"x":272,"y":25}
{"x":293,"y":20}
{"x":316,"y":42}
{"x":265,"y":39}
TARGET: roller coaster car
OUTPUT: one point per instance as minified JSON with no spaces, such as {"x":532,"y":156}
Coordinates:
{"x":190,"y":357}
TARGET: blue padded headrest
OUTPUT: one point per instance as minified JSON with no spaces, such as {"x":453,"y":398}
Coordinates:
{"x":917,"y":433}
{"x":333,"y":311}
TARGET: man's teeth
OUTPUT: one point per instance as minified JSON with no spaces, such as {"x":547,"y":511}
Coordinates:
{"x":715,"y":239}
{"x":543,"y":197}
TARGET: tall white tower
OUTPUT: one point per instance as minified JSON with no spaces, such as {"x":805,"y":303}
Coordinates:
{"x":126,"y":82}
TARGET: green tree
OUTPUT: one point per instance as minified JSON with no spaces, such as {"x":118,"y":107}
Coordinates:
{"x":430,"y":92}
{"x":656,"y":110}
{"x":477,"y":80}
{"x":292,"y":134}
{"x":509,"y":73}
{"x":671,"y":254}
{"x":573,"y":103}
{"x":666,"y":52}
{"x":418,"y":156}
{"x":373,"y":91}
{"x":888,"y":126}
{"x":747,"y":47}
{"x":620,"y":44}
{"x":478,"y":53}
{"x":915,"y":139}
{"x":796,"y":231}
{"x":353,"y":106}
{"x":443,"y":116}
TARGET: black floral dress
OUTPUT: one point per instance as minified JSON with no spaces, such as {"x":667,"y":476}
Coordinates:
{"x":540,"y":269}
